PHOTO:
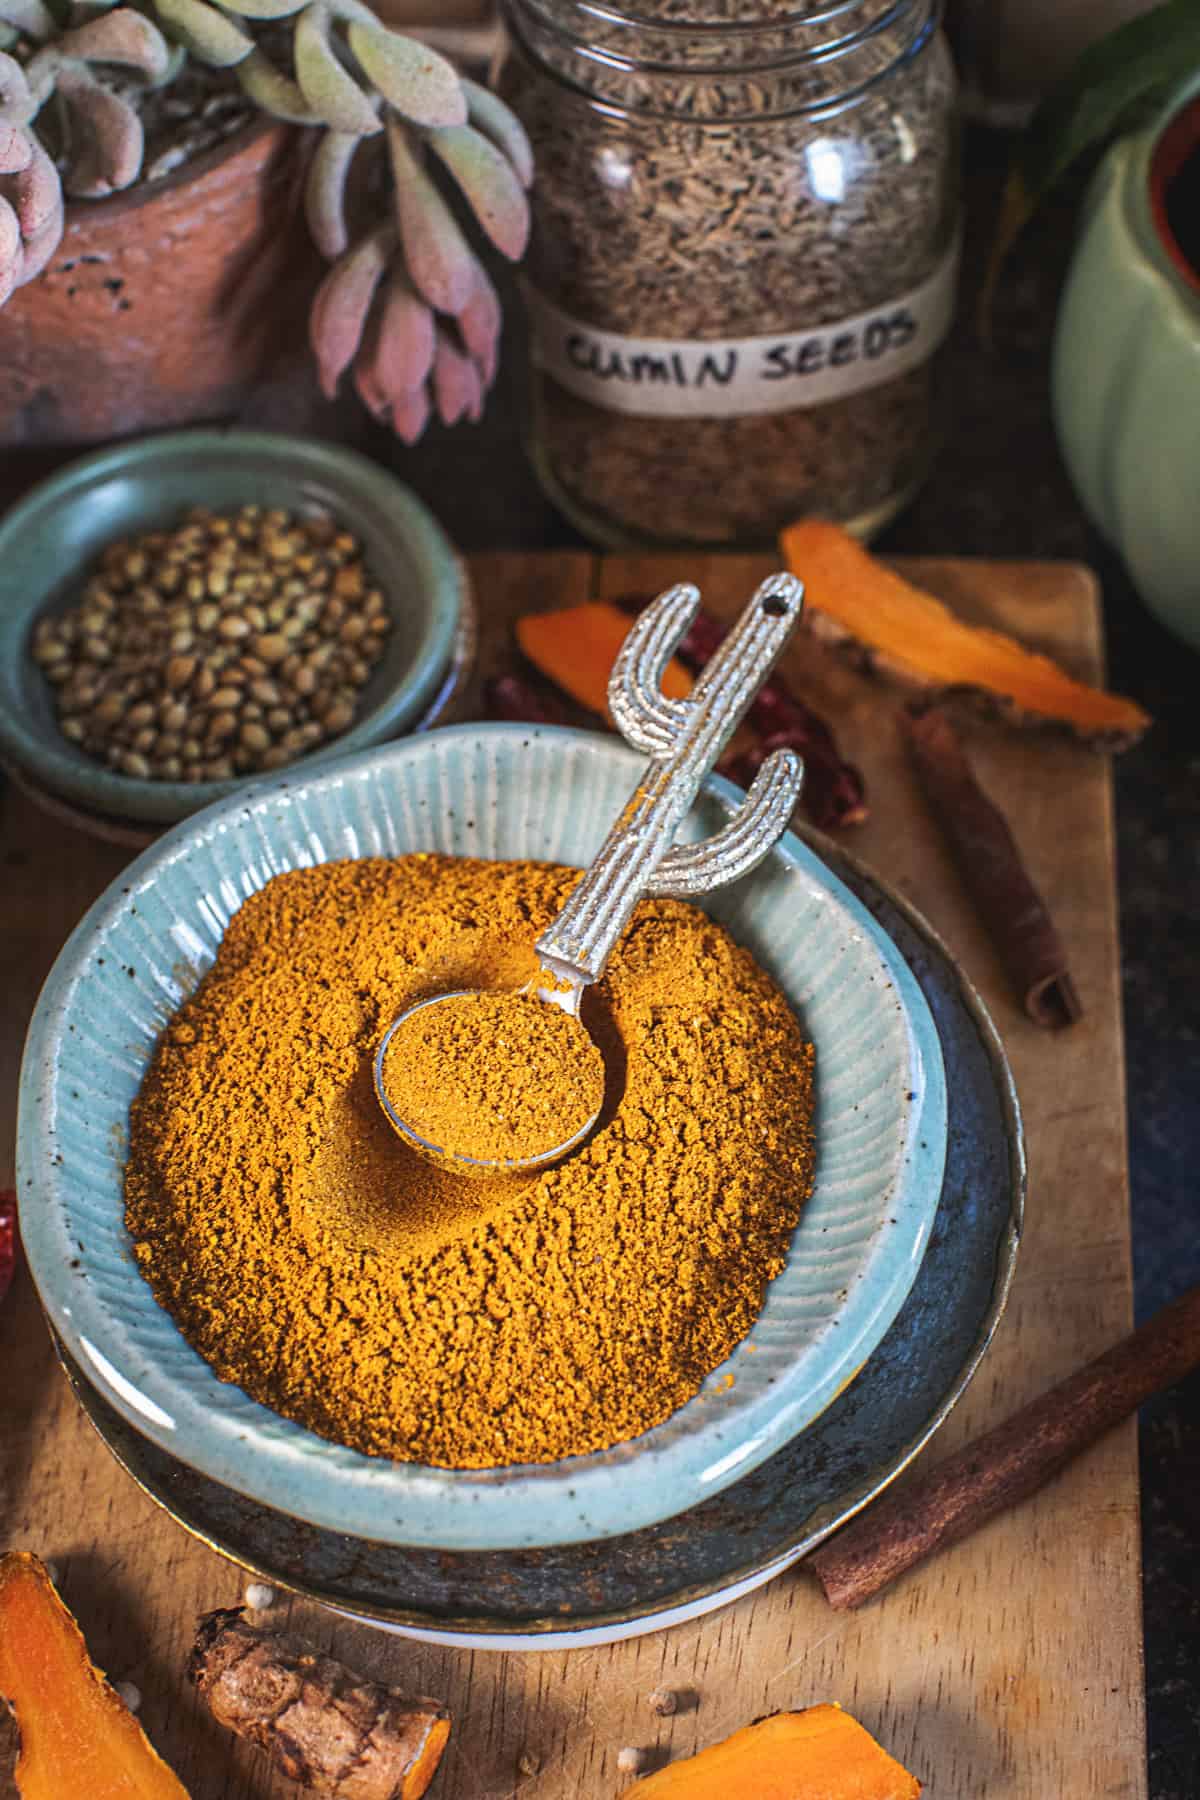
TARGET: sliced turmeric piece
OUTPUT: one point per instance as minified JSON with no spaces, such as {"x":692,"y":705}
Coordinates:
{"x":819,"y":1754}
{"x":79,"y":1741}
{"x":896,"y":629}
{"x":577,"y":646}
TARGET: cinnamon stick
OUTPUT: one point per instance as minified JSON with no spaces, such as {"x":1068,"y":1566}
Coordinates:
{"x":990,"y":864}
{"x":1012,"y":1461}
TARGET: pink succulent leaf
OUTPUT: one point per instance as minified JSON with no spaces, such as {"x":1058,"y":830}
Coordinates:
{"x":410,"y":415}
{"x":404,"y":340}
{"x":457,"y":384}
{"x":406,"y":412}
{"x":342,"y":305}
{"x":370,"y":390}
{"x":395,"y":359}
{"x":325,"y":191}
{"x":111,"y":154}
{"x":30,"y":18}
{"x":208,"y":34}
{"x":326,"y":83}
{"x":272,"y":91}
{"x":16,"y":148}
{"x":489,"y":114}
{"x":420,"y":84}
{"x":489,"y":183}
{"x":37,"y":196}
{"x":440,"y":262}
{"x":15,"y":96}
{"x":123,"y":37}
{"x":480,"y":323}
{"x":41,"y":244}
{"x":10,"y":250}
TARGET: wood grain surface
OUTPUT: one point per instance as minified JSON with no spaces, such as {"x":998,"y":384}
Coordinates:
{"x":1010,"y":1667}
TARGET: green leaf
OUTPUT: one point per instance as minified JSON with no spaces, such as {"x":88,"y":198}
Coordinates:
{"x":327,"y":84}
{"x":489,"y":183}
{"x":420,"y":84}
{"x":1113,"y":76}
{"x":325,"y":192}
{"x":1109,"y":88}
{"x":489,"y":113}
{"x":272,"y":91}
{"x":262,"y":9}
{"x":207,"y":34}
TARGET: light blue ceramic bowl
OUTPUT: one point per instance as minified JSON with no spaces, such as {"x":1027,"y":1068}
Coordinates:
{"x":492,"y":791}
{"x":48,"y":542}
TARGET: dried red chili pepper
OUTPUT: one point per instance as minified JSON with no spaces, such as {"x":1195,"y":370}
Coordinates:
{"x":832,"y":795}
{"x":510,"y":697}
{"x":8,"y":1238}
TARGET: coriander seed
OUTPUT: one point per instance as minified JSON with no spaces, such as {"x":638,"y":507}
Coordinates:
{"x":165,"y":669}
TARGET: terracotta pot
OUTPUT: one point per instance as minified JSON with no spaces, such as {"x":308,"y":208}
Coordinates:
{"x":164,"y":304}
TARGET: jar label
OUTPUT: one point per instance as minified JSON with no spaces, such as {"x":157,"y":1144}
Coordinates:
{"x":722,"y":378}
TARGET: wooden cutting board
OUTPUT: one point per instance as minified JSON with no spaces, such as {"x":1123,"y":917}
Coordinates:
{"x":1007,"y":1669}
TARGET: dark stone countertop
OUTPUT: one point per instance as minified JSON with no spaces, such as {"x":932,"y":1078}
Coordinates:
{"x":999,"y":489}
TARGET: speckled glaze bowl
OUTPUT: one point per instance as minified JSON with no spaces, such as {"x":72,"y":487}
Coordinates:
{"x":51,"y":538}
{"x":495,"y":791}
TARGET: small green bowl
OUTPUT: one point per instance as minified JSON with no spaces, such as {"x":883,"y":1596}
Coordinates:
{"x":49,"y":541}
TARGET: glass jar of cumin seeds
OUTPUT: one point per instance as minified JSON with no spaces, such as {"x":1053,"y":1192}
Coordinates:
{"x":743,"y":259}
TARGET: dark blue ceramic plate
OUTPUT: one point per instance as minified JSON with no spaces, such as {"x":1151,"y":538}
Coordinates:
{"x":594,"y":1593}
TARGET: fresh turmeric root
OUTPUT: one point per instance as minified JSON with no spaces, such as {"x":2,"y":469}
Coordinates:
{"x":890,"y":627}
{"x":323,"y":1726}
{"x":820,"y":1754}
{"x":577,"y":646}
{"x":79,"y":1741}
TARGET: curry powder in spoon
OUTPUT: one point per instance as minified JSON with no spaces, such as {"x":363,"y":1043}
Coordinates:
{"x":497,"y":1077}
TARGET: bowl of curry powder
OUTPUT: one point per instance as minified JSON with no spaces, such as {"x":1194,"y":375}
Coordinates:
{"x":291,"y":1300}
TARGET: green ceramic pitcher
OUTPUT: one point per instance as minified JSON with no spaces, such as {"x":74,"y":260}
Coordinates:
{"x":1126,"y":367}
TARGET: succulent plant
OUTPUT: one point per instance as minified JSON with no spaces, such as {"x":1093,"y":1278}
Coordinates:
{"x":408,"y":156}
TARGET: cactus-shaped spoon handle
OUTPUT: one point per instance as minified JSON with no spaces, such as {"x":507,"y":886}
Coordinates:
{"x":683,"y":739}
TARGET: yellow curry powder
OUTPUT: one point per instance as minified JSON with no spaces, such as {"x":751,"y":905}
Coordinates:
{"x":499,"y":1077}
{"x":320,"y":1264}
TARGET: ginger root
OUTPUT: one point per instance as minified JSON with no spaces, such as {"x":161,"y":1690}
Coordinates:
{"x":820,"y":1754}
{"x":891,"y":628}
{"x":577,"y":646}
{"x":323,"y":1726}
{"x":79,"y":1741}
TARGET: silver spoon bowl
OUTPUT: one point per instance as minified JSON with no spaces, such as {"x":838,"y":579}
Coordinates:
{"x":568,"y":999}
{"x":639,"y":858}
